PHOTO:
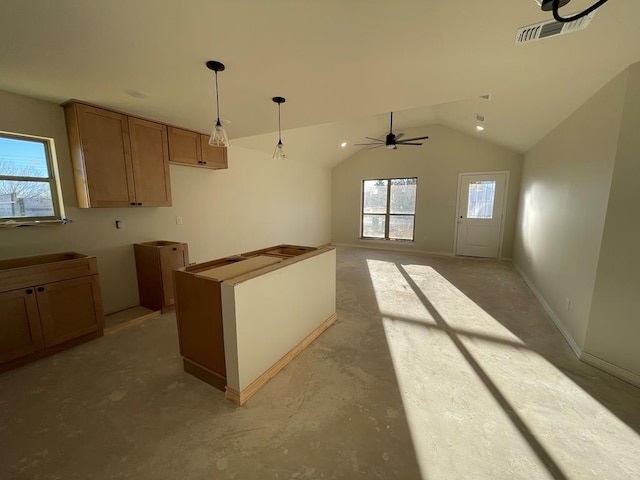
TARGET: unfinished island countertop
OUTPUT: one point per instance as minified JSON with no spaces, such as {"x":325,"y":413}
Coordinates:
{"x":241,"y":319}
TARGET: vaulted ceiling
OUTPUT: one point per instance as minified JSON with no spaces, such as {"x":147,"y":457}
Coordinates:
{"x":341,"y":64}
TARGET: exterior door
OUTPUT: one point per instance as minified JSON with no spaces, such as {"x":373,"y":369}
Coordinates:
{"x":480,"y":213}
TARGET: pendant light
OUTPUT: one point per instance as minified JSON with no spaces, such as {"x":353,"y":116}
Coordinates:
{"x":218,"y":136}
{"x":278,"y":153}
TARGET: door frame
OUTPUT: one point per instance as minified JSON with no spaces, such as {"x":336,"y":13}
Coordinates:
{"x":503,"y":213}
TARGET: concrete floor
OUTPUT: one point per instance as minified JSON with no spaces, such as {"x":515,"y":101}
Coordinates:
{"x":438,"y":368}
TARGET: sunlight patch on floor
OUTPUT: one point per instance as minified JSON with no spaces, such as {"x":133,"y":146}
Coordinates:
{"x":479,"y":402}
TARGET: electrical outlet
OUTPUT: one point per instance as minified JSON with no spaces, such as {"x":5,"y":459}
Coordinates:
{"x":178,"y":220}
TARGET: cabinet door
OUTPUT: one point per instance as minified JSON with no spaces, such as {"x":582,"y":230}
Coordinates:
{"x":212,"y":157}
{"x":150,"y":154}
{"x":171,"y":258}
{"x":184,"y":146}
{"x":20,"y":332}
{"x":99,"y":141}
{"x":70,"y":309}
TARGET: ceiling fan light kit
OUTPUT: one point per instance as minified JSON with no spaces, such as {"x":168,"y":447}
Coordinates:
{"x":392,"y":140}
{"x":218,"y":136}
{"x":279,"y":153}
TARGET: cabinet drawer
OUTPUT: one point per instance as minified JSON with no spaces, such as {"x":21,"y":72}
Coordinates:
{"x":50,"y":270}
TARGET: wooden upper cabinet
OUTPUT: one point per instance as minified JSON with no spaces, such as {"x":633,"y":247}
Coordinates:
{"x":150,"y":158}
{"x":192,"y":148}
{"x":118,"y":160}
{"x":101,"y":155}
{"x":184,"y":146}
{"x":212,"y":157}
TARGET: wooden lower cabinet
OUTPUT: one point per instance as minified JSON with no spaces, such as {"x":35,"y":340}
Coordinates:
{"x":20,"y":332}
{"x":47,"y":304}
{"x":155,"y":263}
{"x":68,"y":309}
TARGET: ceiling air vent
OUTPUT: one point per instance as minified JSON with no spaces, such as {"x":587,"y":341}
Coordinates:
{"x":531,"y":33}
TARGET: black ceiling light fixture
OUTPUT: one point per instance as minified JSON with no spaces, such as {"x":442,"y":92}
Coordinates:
{"x":278,"y":153}
{"x":554,"y":5}
{"x":218,"y":136}
{"x":391,"y":141}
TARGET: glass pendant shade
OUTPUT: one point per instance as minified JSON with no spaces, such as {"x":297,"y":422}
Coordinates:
{"x":218,"y":136}
{"x":278,"y":153}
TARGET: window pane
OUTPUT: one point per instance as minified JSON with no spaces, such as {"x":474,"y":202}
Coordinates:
{"x":25,"y":199}
{"x":401,"y":227}
{"x":481,"y":197}
{"x":375,"y":197}
{"x":23,"y":158}
{"x":373,"y":226}
{"x":403,"y":195}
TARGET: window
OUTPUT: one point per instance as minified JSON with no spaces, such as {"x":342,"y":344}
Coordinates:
{"x":481,"y":197}
{"x":29,"y":189}
{"x":389,"y":208}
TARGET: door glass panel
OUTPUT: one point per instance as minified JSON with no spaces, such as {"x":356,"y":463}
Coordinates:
{"x":403,"y":196}
{"x":375,"y":197}
{"x":481,"y":198}
{"x":401,"y":227}
{"x":373,"y":226}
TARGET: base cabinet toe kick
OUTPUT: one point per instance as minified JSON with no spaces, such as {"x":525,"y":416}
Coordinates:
{"x":242,"y":319}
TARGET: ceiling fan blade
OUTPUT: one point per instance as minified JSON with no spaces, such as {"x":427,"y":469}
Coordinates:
{"x":399,"y":136}
{"x":367,"y":144}
{"x":405,"y":143}
{"x":416,"y":138}
{"x":377,"y":146}
{"x":375,"y":139}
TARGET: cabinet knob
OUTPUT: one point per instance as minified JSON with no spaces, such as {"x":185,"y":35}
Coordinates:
{"x":139,"y":203}
{"x":204,"y":162}
{"x":41,"y":289}
{"x":29,"y":291}
{"x":132,"y":203}
{"x":175,"y":248}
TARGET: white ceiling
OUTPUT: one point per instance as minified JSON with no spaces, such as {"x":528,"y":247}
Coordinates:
{"x":341,"y":64}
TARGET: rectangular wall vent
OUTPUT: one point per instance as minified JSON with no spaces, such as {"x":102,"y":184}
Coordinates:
{"x":538,"y":31}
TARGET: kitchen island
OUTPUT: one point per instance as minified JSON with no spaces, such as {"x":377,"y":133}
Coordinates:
{"x":241,"y":319}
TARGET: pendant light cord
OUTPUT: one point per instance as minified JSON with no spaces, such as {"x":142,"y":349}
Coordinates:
{"x":557,"y":17}
{"x":279,"y":130}
{"x":217,"y":100}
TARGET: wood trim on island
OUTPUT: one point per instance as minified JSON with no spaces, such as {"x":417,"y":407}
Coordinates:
{"x":240,"y":398}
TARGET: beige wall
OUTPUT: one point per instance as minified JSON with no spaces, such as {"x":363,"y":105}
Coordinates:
{"x":436,"y":164}
{"x":564,"y":195}
{"x":614,"y":323}
{"x":256,"y":203}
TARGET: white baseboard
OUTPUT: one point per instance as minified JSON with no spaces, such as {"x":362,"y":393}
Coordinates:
{"x":550,"y":313}
{"x":375,"y":246}
{"x":614,"y":370}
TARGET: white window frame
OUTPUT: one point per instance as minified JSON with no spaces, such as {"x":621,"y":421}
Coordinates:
{"x":53,"y":180}
{"x":387,"y":214}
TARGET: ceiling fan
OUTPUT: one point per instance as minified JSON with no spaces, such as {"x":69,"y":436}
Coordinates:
{"x":391,"y":141}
